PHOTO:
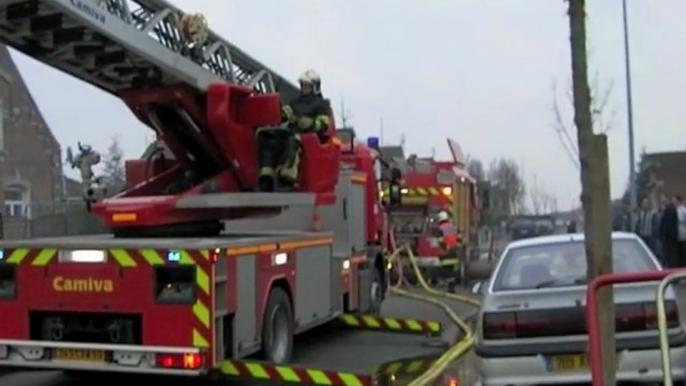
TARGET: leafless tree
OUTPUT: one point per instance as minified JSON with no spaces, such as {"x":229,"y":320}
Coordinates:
{"x":113,"y":165}
{"x":476,"y":169}
{"x":536,"y":196}
{"x":595,"y":191}
{"x":549,"y":203}
{"x":542,"y":201}
{"x":505,"y":177}
{"x":602,"y":118}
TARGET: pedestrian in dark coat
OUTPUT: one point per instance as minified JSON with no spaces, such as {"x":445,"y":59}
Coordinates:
{"x":669,"y":229}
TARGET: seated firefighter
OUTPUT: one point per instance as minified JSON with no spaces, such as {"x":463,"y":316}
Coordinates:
{"x":279,"y":150}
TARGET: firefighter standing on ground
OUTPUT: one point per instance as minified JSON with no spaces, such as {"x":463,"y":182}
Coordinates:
{"x":447,"y":233}
{"x":279,"y":154}
{"x":448,"y":240}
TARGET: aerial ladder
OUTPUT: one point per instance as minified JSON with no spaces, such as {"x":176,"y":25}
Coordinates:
{"x":204,"y":98}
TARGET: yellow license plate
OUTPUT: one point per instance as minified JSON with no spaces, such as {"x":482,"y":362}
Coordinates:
{"x":67,"y":354}
{"x":576,"y":362}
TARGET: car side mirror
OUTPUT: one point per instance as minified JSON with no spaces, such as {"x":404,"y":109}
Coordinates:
{"x":476,"y":288}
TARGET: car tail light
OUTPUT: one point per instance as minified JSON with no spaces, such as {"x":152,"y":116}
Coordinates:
{"x":643,"y":316}
{"x":571,"y":321}
{"x":500,"y":325}
{"x":188,"y":361}
{"x":8,"y":281}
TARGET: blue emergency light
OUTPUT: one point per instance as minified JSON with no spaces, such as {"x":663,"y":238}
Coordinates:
{"x":173,"y":256}
{"x":373,"y":143}
{"x":2,"y":254}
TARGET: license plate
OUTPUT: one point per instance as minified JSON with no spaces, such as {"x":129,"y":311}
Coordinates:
{"x":564,"y":363}
{"x":67,"y":354}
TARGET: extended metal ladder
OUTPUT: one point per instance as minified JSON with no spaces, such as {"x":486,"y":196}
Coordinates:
{"x":123,"y":44}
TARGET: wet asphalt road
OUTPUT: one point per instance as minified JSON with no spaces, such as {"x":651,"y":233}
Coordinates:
{"x":334,"y":349}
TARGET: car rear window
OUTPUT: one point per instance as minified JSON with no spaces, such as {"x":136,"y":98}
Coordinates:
{"x":563,"y":264}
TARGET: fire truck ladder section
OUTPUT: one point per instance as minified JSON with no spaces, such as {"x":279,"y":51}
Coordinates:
{"x":123,"y":44}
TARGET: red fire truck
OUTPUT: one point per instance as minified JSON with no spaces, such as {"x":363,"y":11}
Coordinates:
{"x":200,"y":271}
{"x":429,"y":187}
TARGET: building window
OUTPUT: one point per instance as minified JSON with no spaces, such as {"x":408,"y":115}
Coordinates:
{"x":17,"y":202}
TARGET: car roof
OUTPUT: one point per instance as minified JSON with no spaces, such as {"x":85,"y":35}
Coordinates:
{"x":569,"y":237}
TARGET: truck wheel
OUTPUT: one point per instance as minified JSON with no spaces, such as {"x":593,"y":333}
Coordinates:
{"x":376,"y":292}
{"x":277,"y":328}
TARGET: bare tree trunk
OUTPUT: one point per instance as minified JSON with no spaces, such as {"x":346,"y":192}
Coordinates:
{"x":595,"y":195}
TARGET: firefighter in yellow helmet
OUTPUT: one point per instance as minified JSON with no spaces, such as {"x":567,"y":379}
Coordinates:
{"x":279,"y":156}
{"x":447,"y":233}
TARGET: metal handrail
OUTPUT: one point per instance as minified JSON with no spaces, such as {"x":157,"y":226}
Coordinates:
{"x":665,"y":355}
{"x":592,"y":321}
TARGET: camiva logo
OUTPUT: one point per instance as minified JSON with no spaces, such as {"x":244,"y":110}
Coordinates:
{"x":89,"y":10}
{"x":63,"y":284}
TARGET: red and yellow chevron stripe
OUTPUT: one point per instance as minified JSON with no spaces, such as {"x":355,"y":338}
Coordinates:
{"x":265,"y":372}
{"x":392,"y":324}
{"x":201,"y":333}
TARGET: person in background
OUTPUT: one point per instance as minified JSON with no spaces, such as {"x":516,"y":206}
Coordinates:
{"x":669,"y":235}
{"x":657,"y":219}
{"x":681,"y":227}
{"x":645,"y":223}
{"x":620,"y":219}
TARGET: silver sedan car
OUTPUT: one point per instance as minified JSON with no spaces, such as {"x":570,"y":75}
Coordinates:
{"x":531,"y":329}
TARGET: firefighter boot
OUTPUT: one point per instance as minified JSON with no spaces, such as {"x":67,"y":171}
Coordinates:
{"x":266,"y":180}
{"x":285,"y":185}
{"x":288,"y":171}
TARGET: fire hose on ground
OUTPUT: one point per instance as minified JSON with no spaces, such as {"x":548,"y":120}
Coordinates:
{"x":461,"y":347}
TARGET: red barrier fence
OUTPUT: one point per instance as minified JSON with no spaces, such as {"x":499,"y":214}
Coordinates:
{"x":592,"y":322}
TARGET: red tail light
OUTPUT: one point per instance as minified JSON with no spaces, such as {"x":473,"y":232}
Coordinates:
{"x":188,"y":361}
{"x":571,"y":321}
{"x":643,"y":316}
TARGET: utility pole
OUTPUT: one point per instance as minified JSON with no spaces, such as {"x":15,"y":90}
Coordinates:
{"x":595,"y":186}
{"x":633,"y":204}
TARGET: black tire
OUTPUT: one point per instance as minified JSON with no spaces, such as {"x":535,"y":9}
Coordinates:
{"x":376,"y":292}
{"x":277,"y":328}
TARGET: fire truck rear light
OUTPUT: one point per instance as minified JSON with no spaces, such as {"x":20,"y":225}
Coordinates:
{"x":8,"y":283}
{"x":214,"y":256}
{"x":188,"y":361}
{"x":447,"y":190}
{"x":83,"y":256}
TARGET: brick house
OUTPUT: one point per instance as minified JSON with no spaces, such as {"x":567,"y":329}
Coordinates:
{"x":668,"y":172}
{"x":30,"y":156}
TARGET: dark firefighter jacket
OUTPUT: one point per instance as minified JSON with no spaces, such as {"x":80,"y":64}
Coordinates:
{"x":311,"y":106}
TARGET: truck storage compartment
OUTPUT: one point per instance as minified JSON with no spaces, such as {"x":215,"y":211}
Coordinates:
{"x":86,"y":327}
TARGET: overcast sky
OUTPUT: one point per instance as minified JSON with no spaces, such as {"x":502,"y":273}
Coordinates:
{"x":479,"y":71}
